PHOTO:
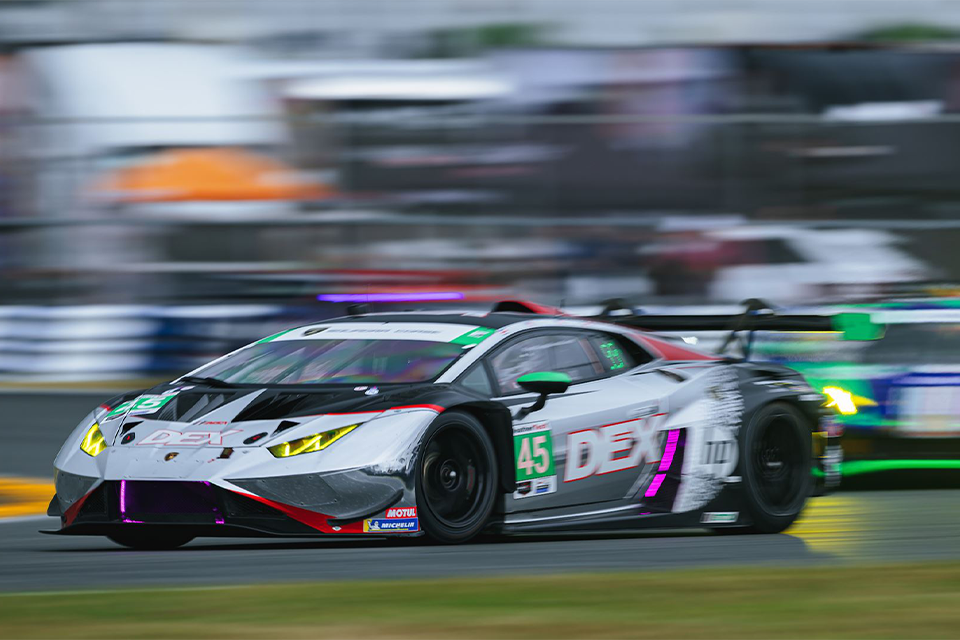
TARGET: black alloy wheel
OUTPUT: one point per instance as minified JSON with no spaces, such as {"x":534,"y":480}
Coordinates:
{"x":776,"y":466}
{"x":456,"y":478}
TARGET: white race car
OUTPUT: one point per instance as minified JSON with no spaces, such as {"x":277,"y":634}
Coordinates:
{"x":448,"y":425}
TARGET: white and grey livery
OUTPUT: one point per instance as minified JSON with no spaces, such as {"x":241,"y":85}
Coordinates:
{"x":448,"y":425}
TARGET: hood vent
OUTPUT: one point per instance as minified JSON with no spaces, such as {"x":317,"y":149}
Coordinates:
{"x":280,"y":405}
{"x":190,"y":405}
{"x":129,"y":425}
{"x":277,"y":405}
{"x":284,"y":425}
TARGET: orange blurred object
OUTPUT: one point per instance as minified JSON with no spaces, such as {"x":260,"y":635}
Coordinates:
{"x":184,"y":175}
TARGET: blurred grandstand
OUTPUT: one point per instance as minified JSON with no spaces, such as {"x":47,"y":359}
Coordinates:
{"x":165,"y":165}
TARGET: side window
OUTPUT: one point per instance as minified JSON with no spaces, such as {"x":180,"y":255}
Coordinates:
{"x":478,"y":380}
{"x":565,"y":353}
{"x":525,"y":356}
{"x":618,"y":354}
{"x":572,"y":355}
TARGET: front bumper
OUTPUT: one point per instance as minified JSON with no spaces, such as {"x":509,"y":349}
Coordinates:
{"x":207,"y":509}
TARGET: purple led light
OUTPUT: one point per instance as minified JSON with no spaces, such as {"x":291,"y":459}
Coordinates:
{"x":655,"y":485}
{"x":413,"y":296}
{"x":219,"y":520}
{"x":669,"y":451}
{"x":666,"y":461}
{"x":123,"y":504}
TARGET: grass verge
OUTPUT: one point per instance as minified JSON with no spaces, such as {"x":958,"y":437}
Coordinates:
{"x":894,"y":601}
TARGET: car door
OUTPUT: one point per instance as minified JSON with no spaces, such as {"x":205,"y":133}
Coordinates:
{"x":589,"y":444}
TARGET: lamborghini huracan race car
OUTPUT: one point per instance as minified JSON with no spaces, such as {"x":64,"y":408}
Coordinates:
{"x":449,"y":425}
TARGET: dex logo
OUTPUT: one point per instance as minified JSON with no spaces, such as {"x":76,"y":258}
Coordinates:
{"x":611,"y":448}
{"x":171,"y":438}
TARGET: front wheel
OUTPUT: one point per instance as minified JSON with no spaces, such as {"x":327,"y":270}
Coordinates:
{"x":150,"y":540}
{"x":775,"y":461}
{"x":456,"y":478}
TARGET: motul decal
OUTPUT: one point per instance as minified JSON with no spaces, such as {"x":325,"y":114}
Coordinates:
{"x":171,"y":438}
{"x":402,"y":512}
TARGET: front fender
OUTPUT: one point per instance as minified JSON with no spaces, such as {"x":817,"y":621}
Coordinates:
{"x":498,"y":422}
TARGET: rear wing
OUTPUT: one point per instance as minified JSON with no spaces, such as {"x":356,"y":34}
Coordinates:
{"x":756,"y":316}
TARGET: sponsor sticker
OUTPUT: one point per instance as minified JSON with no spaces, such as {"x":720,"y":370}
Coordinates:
{"x":401,"y":512}
{"x":473,"y":337}
{"x":718,"y":452}
{"x":538,"y":487}
{"x":384,"y":525}
{"x":719,"y":517}
{"x":429,"y":331}
{"x":533,"y":454}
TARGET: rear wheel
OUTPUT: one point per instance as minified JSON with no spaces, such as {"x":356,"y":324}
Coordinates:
{"x":150,"y":540}
{"x":775,"y":462}
{"x":456,"y":478}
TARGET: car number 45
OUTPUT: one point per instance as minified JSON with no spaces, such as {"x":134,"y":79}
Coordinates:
{"x":533,"y":446}
{"x":534,"y":457}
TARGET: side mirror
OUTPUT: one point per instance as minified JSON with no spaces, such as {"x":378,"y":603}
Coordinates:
{"x":544,"y":383}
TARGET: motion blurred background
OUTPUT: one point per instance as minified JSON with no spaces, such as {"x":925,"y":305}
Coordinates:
{"x":179,"y":177}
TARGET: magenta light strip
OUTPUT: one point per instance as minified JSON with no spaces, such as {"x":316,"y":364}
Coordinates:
{"x":414,"y":296}
{"x":669,"y":452}
{"x":655,"y":485}
{"x":123,"y":504}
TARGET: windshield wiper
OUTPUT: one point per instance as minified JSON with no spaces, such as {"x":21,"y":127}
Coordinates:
{"x":210,"y":382}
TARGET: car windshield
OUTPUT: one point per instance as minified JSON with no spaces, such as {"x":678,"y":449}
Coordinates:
{"x":335,"y":362}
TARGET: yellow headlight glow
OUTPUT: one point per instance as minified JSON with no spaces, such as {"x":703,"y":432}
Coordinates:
{"x":316,"y":442}
{"x":841,"y":400}
{"x":93,"y":442}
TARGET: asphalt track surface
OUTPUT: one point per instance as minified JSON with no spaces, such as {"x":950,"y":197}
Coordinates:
{"x":846,"y":527}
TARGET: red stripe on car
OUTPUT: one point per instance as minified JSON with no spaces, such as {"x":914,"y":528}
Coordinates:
{"x":670,"y":351}
{"x":432,"y":407}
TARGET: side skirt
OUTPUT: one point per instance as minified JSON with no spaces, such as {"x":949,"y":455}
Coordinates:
{"x":728,"y":501}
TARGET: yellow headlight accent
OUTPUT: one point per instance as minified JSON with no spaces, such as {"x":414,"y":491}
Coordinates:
{"x":316,"y":442}
{"x":93,"y":442}
{"x":841,"y":399}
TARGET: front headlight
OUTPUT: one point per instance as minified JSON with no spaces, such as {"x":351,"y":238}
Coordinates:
{"x":316,"y":442}
{"x":93,"y":442}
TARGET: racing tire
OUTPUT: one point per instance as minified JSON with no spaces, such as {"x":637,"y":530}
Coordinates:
{"x":775,"y":464}
{"x":150,"y":540}
{"x":456,"y":478}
